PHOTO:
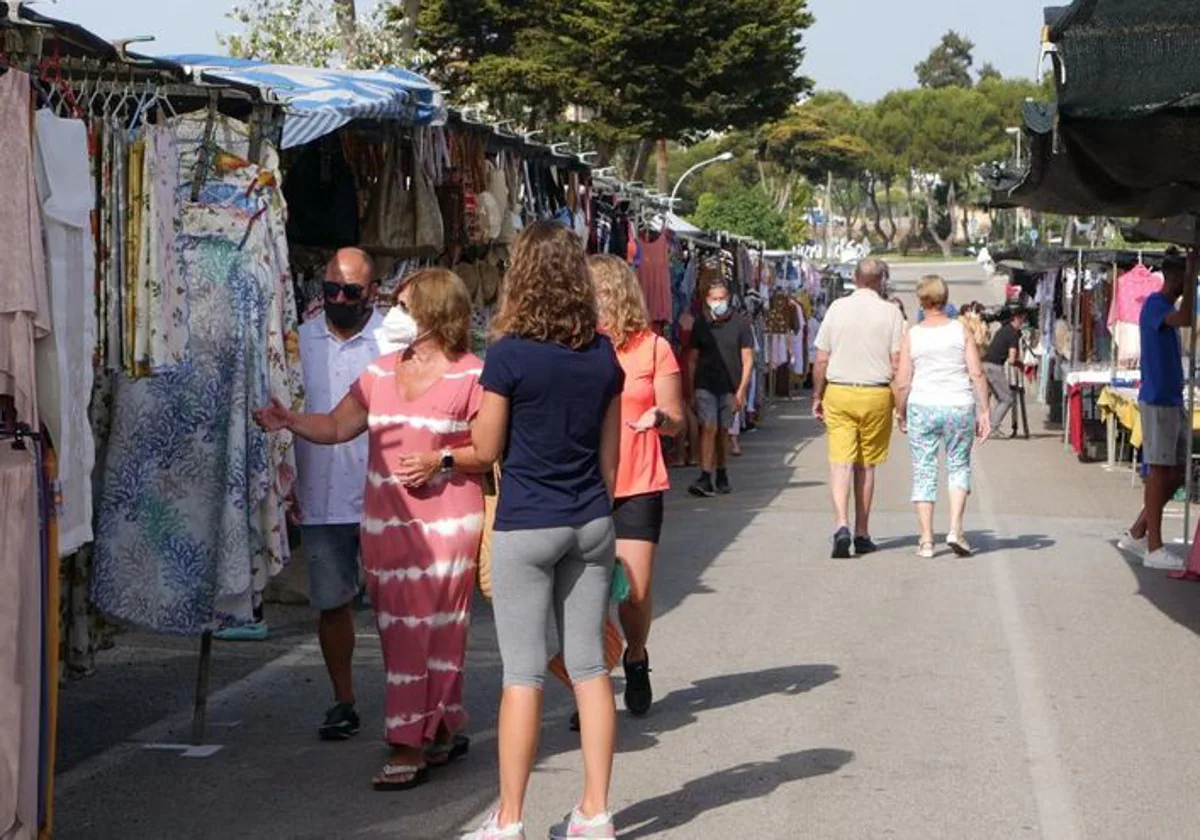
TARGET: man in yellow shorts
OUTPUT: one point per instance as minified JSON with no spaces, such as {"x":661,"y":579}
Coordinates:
{"x":858,"y":352}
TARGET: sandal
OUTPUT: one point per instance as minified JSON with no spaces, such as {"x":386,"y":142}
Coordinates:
{"x":925,"y":551}
{"x":441,"y":754}
{"x":410,"y":777}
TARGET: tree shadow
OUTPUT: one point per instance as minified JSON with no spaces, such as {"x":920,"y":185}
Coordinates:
{"x":743,"y":783}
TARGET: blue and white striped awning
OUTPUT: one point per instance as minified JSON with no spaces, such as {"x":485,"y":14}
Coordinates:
{"x":318,"y":101}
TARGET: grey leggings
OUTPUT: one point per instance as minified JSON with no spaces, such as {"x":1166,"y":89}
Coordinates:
{"x":567,"y":570}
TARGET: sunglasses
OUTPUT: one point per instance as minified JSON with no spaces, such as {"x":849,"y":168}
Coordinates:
{"x":348,"y":291}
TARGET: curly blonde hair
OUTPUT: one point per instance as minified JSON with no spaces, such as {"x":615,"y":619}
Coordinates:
{"x":547,"y":293}
{"x":619,"y":299}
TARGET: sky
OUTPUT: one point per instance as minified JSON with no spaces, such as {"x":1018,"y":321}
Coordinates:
{"x":863,"y":47}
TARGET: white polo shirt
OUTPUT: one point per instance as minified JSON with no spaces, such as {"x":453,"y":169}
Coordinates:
{"x":330,"y":479}
{"x":861,"y":333}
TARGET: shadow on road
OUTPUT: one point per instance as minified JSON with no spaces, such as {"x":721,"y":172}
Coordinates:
{"x":989,"y":542}
{"x":1176,"y":599}
{"x":745,"y":782}
{"x":682,"y":708}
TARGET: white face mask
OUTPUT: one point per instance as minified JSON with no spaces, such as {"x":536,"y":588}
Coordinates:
{"x":400,"y":329}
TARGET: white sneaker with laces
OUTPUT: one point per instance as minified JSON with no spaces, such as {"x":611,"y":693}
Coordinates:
{"x":1163,"y":560}
{"x":491,"y":830}
{"x":1132,"y":545}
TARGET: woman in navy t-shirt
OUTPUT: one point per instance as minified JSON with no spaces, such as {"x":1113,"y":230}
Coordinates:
{"x":550,"y":411}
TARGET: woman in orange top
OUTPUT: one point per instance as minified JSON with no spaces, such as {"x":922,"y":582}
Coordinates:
{"x":651,"y":405}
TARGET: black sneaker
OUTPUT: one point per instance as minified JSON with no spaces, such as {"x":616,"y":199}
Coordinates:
{"x":864,"y":546}
{"x":842,"y":542}
{"x":703,"y":487}
{"x":638,"y":693}
{"x":723,"y":488}
{"x":341,"y":723}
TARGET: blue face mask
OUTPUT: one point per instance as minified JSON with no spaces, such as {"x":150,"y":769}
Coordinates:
{"x":719,"y":309}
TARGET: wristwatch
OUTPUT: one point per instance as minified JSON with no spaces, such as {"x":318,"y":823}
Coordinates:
{"x":447,"y":461}
{"x":660,"y":418}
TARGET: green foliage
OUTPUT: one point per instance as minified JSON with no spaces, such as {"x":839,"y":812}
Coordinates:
{"x":305,"y":33}
{"x":643,"y":68}
{"x":949,"y":65}
{"x":745,"y":212}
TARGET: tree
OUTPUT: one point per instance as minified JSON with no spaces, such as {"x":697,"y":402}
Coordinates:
{"x":745,"y":212}
{"x":646,"y":69}
{"x":949,"y":65}
{"x":308,"y":33}
{"x":989,"y":73}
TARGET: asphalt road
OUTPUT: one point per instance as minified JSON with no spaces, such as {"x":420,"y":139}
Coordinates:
{"x":1041,"y":689}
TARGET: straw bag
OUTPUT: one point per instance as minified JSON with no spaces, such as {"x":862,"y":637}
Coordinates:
{"x":483,"y":567}
{"x":614,"y":650}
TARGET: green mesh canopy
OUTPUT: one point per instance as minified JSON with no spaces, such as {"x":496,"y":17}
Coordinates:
{"x":1123,"y":138}
{"x":1123,"y":59}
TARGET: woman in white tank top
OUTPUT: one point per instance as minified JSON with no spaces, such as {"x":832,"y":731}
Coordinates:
{"x":940,"y":385}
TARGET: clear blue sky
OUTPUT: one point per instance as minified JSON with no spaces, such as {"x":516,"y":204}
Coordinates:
{"x":864,"y":47}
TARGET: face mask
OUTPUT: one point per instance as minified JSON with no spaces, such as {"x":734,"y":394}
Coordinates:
{"x":346,"y":316}
{"x":719,"y":308}
{"x":399,"y":328}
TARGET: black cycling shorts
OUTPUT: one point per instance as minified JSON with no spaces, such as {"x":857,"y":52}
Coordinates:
{"x":639,"y":518}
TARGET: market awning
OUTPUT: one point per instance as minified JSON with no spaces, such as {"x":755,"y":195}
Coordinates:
{"x":1123,"y":138}
{"x":1118,"y":59}
{"x":319,"y":101}
{"x":1148,"y":168}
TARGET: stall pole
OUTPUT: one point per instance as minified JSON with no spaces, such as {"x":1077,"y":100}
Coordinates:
{"x":1189,"y":479}
{"x":200,"y":711}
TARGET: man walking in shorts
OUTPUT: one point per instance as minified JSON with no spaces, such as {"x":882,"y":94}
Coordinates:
{"x":335,"y":349}
{"x":720,"y":365}
{"x":1166,"y":426}
{"x":858,"y":353}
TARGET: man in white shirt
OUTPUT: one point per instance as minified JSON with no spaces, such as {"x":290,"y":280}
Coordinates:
{"x":335,"y":349}
{"x":858,"y":352}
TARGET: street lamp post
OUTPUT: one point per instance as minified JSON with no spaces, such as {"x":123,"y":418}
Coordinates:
{"x":724,"y":157}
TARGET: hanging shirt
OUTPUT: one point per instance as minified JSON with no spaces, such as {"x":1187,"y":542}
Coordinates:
{"x":65,"y":359}
{"x":331,"y":478}
{"x":1130,"y":293}
{"x":654,"y":274}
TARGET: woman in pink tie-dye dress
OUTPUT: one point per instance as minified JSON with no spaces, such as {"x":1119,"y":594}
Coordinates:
{"x":422,"y":515}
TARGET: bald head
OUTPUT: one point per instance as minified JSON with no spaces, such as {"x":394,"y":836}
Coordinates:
{"x":351,"y":265}
{"x":871,"y":274}
{"x":349,"y":291}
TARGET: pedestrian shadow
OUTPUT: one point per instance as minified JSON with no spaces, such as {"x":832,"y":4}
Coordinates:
{"x":683,"y":708}
{"x":1175,"y":598}
{"x":989,"y":542}
{"x":743,"y":783}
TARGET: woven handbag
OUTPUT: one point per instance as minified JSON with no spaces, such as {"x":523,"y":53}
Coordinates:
{"x":483,"y":566}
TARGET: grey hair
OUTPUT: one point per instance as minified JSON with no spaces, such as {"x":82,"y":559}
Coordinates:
{"x":871,"y":273}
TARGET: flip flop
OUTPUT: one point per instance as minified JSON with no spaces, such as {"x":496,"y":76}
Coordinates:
{"x":439,"y":755}
{"x":417,"y":776}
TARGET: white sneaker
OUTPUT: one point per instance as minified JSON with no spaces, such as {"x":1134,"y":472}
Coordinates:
{"x":1132,"y":545}
{"x":491,"y":830}
{"x":1164,"y":560}
{"x":959,"y":545}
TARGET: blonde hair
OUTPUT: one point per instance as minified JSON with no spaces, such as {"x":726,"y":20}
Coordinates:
{"x":619,"y":298}
{"x":547,"y":294}
{"x":438,"y":300}
{"x":932,"y":292}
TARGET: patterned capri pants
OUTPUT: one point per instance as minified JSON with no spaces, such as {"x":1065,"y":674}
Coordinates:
{"x":929,"y":429}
